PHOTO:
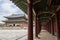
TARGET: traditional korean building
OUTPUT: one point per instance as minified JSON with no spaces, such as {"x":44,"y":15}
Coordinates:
{"x":16,"y":20}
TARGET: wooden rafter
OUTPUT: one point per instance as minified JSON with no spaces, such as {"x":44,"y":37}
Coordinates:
{"x":49,"y":2}
{"x":36,"y":2}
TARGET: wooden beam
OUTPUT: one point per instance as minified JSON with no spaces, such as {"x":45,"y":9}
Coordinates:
{"x":34,"y":12}
{"x":19,"y":3}
{"x":15,"y":1}
{"x":36,"y":2}
{"x":44,"y":12}
{"x":58,"y":8}
{"x":49,"y":2}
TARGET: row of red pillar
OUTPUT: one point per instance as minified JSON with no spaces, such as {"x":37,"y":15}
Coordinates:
{"x":30,"y":22}
{"x":54,"y":26}
{"x":50,"y":26}
{"x":37,"y":26}
{"x":58,"y":24}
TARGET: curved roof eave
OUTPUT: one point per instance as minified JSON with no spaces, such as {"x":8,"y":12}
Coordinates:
{"x":22,"y":4}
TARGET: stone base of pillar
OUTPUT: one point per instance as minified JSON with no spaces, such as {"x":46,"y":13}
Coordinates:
{"x":38,"y":37}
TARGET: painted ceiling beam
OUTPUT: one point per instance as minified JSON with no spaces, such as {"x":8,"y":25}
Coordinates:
{"x":36,"y":2}
{"x":42,"y":18}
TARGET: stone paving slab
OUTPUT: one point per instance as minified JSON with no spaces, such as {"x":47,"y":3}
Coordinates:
{"x":17,"y":34}
{"x":44,"y":35}
{"x":13,"y":34}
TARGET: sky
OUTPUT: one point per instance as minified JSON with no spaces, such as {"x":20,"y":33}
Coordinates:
{"x":7,"y":8}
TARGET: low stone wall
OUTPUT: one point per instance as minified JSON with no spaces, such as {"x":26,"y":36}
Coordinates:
{"x":10,"y":28}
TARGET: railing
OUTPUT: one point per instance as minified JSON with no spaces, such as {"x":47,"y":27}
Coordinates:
{"x":13,"y":28}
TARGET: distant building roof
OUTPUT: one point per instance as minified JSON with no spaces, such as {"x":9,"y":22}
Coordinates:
{"x":15,"y":21}
{"x":16,"y":16}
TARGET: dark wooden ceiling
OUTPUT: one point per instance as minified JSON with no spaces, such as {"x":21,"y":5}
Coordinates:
{"x":49,"y":6}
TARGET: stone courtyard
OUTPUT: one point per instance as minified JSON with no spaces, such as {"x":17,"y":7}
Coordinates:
{"x":22,"y":35}
{"x":13,"y":34}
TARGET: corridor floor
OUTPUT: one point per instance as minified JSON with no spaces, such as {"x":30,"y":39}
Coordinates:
{"x":44,"y":35}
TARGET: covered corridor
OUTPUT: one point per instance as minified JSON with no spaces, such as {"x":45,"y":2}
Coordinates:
{"x":46,"y":16}
{"x":44,"y":35}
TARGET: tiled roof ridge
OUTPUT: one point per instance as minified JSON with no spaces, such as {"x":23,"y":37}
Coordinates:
{"x":15,"y":15}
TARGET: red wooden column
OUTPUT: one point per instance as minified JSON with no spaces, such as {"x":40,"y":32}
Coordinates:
{"x":52,"y":27}
{"x":48,"y":27}
{"x":38,"y":26}
{"x":58,"y":23}
{"x":36,"y":34}
{"x":30,"y":20}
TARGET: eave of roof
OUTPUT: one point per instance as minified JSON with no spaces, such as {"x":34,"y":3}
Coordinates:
{"x":16,"y":16}
{"x":15,"y":21}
